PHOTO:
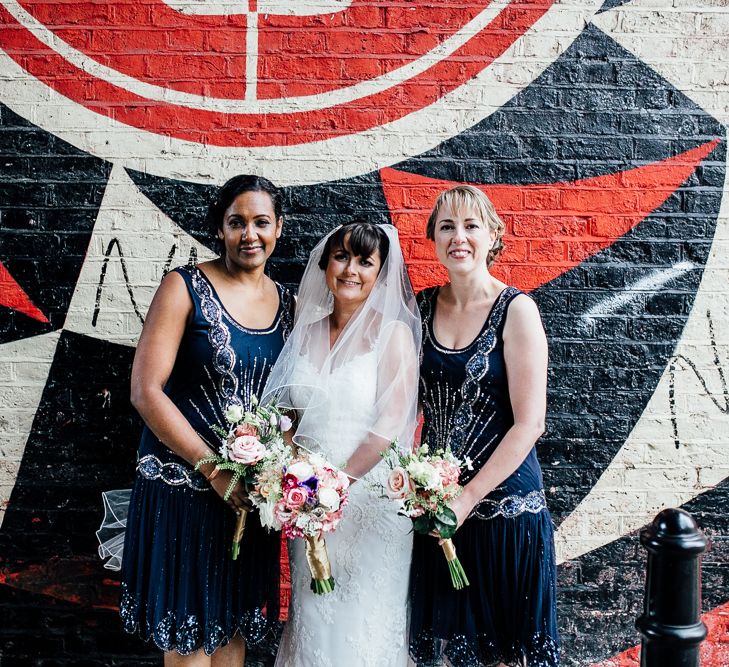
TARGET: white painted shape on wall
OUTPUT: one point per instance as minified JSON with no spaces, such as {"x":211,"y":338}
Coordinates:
{"x":24,"y":368}
{"x":145,"y":237}
{"x":650,"y":283}
{"x":649,"y":473}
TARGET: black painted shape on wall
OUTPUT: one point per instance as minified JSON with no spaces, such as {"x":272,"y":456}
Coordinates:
{"x":41,"y":630}
{"x":612,"y":4}
{"x":605,"y":369}
{"x":595,"y":111}
{"x":310,"y":212}
{"x":50,"y":193}
{"x":83,"y":441}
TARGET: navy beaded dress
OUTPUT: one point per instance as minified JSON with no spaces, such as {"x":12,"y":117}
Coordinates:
{"x":506,"y":545}
{"x":180,"y":586}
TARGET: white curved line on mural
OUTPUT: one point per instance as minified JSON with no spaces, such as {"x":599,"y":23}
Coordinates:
{"x":135,"y":240}
{"x":27,"y":363}
{"x":275,"y":7}
{"x":277,"y":105}
{"x":302,"y":164}
{"x":650,"y":283}
{"x":650,"y":473}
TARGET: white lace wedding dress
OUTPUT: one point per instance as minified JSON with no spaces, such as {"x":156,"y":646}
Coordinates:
{"x":363,"y":622}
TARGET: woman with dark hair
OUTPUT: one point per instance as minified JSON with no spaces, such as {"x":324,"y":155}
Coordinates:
{"x":483,"y":390}
{"x":209,"y":341}
{"x":350,"y":371}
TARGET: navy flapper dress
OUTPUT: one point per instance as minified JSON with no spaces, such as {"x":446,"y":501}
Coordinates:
{"x":506,"y":546}
{"x":180,"y":586}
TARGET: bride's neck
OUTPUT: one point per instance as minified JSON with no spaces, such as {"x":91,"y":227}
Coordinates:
{"x":341,"y":314}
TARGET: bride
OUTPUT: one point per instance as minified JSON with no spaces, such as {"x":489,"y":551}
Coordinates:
{"x":350,"y":371}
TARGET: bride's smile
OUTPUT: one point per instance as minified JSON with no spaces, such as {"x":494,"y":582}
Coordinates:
{"x":350,"y":277}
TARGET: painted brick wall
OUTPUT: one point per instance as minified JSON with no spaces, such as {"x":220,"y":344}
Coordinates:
{"x":598,"y":130}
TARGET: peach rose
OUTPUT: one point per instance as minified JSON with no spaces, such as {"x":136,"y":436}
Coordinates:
{"x":245,"y":429}
{"x":398,"y":484}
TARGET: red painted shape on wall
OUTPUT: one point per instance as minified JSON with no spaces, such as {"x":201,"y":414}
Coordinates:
{"x":714,"y":650}
{"x":13,"y":296}
{"x":385,"y":104}
{"x":82,"y":581}
{"x":550,"y":228}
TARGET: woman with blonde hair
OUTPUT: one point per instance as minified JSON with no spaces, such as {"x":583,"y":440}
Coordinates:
{"x":483,"y":382}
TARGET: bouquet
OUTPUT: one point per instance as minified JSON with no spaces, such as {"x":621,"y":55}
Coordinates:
{"x":424,"y":484}
{"x":303,"y":496}
{"x":252,"y":439}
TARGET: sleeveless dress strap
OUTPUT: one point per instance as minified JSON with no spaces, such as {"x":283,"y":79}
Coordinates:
{"x":501,"y":308}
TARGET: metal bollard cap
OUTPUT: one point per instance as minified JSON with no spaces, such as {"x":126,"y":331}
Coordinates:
{"x":676,"y":531}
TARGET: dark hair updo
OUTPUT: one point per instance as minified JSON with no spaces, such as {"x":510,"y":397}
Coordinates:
{"x":363,"y":238}
{"x":238,"y":185}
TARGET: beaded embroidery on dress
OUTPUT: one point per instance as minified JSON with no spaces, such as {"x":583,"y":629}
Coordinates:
{"x":179,"y":587}
{"x":508,"y":614}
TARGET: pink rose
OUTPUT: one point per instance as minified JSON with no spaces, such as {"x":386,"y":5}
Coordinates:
{"x":449,"y":473}
{"x":398,"y":484}
{"x":247,"y":450}
{"x":296,"y":497}
{"x":245,"y":429}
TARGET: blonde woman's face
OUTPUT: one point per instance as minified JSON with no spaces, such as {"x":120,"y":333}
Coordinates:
{"x":462,"y":239}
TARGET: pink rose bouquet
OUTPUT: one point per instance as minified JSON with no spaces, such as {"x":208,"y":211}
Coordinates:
{"x":252,"y":440}
{"x":303,"y":496}
{"x":423,"y":484}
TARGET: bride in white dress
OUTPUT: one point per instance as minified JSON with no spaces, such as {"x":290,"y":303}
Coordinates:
{"x":350,"y":370}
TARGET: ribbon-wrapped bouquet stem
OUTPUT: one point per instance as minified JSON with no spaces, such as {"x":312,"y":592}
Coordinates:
{"x":252,"y":443}
{"x":303,"y":496}
{"x":423,"y":484}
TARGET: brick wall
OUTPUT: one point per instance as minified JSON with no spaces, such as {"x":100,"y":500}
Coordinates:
{"x":598,"y":132}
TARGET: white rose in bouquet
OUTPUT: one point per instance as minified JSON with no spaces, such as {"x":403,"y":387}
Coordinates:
{"x":329,"y":498}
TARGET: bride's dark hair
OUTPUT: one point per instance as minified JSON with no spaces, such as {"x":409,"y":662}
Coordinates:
{"x":362,"y":237}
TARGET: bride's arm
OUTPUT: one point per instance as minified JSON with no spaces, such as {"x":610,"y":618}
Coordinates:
{"x":396,"y":403}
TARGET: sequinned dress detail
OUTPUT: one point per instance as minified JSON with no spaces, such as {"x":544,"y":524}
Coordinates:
{"x":180,"y":586}
{"x":506,"y":545}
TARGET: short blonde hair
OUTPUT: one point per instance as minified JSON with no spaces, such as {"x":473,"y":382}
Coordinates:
{"x":468,"y":196}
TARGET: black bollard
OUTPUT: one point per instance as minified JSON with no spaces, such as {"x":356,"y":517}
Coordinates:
{"x":671,"y":625}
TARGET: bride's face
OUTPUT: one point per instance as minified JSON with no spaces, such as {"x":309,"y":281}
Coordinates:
{"x":350,"y":278}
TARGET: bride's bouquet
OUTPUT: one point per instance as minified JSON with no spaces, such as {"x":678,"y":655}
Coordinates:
{"x":303,"y":496}
{"x":253,"y":442}
{"x":423,"y":484}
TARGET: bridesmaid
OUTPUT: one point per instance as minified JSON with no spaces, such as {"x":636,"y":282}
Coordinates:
{"x":483,"y":392}
{"x":210,"y":338}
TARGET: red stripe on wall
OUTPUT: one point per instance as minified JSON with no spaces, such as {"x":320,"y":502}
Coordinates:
{"x":550,"y":228}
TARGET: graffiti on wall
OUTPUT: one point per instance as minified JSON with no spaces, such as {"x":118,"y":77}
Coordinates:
{"x":118,"y":120}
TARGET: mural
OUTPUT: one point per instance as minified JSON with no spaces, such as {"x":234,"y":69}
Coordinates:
{"x":597,"y":130}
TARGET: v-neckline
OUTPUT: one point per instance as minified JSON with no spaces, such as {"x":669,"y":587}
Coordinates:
{"x":487,"y":322}
{"x":230,"y":317}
